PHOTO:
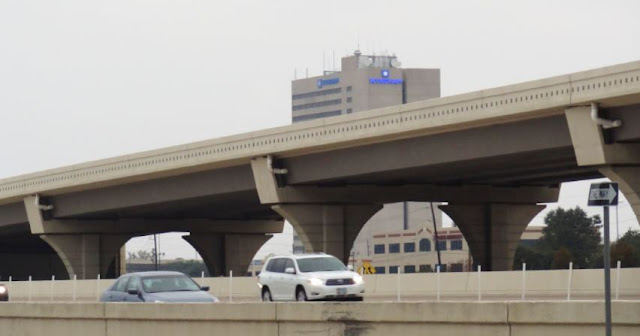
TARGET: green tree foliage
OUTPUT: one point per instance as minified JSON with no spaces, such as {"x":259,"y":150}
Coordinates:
{"x":573,"y":230}
{"x":532,"y":256}
{"x":561,"y":259}
{"x":624,"y":252}
{"x":632,"y":238}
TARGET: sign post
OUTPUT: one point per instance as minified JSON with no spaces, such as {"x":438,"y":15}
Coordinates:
{"x":605,"y":195}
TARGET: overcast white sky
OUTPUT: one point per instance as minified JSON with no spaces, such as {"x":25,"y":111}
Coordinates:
{"x":84,"y":80}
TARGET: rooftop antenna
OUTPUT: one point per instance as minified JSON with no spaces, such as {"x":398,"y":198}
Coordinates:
{"x":324,"y":63}
{"x":334,"y":60}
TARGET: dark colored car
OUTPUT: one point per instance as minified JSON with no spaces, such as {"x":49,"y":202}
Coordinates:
{"x":156,"y":287}
{"x":4,"y":293}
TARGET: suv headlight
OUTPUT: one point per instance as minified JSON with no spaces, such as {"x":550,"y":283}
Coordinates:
{"x":315,"y":282}
{"x":357,"y":279}
{"x":3,"y":289}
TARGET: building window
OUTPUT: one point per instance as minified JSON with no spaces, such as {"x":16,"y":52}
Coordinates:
{"x":443,"y":267}
{"x":380,"y":270}
{"x":409,"y":247}
{"x":409,"y":268}
{"x":378,"y":248}
{"x":394,"y":248}
{"x":316,"y":93}
{"x":425,"y":269}
{"x":316,"y":115}
{"x":393,"y":269}
{"x":457,"y":267}
{"x":442,"y":245}
{"x":349,"y":111}
{"x":348,"y":88}
{"x":456,"y":244}
{"x":349,"y":99}
{"x":317,"y":104}
{"x":425,"y":245}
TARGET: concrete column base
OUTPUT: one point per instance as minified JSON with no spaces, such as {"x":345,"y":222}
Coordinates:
{"x":328,"y":228}
{"x":222,"y":253}
{"x":628,"y":179}
{"x":492,"y":230}
{"x":87,"y":255}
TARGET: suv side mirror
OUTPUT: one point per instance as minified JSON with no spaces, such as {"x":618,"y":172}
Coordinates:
{"x":205,"y":288}
{"x":290,"y":270}
{"x":133,"y":292}
{"x":350,"y":267}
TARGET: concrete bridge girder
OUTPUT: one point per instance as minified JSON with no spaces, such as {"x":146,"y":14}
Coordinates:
{"x":492,"y":230}
{"x":328,"y":228}
{"x":620,"y":162}
{"x":328,"y":219}
{"x":223,"y":253}
{"x":88,"y":247}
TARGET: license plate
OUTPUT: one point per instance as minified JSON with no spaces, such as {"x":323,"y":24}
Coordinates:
{"x":341,"y":291}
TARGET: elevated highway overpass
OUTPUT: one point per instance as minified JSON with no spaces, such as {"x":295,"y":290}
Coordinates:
{"x":493,"y":155}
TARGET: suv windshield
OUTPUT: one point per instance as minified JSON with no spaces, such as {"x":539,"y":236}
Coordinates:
{"x":320,"y":264}
{"x":168,"y":283}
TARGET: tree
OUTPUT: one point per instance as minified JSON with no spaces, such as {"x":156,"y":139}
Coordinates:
{"x":561,"y":259}
{"x":624,"y":252}
{"x":573,"y":230}
{"x":532,"y":256}
{"x":632,"y":237}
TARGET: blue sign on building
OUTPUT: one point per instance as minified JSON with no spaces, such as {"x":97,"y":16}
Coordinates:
{"x":384,"y":73}
{"x":385,"y":81}
{"x":330,"y":81}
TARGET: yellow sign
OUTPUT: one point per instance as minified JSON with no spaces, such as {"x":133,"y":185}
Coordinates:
{"x":366,"y":268}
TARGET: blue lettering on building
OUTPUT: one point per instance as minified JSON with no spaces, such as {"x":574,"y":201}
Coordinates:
{"x":330,"y":81}
{"x":385,"y":81}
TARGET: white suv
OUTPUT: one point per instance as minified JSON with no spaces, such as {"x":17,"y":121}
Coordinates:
{"x":309,"y":277}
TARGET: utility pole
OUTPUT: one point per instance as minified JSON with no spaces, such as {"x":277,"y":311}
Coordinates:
{"x":435,"y":230}
{"x":155,"y":251}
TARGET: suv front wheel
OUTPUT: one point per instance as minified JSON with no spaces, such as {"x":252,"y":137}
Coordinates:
{"x":301,"y":295}
{"x":266,"y":295}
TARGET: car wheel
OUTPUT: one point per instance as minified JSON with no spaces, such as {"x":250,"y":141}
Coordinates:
{"x":266,"y":296}
{"x":301,"y":295}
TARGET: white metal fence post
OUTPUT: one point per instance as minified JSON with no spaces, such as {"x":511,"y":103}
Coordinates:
{"x":53,"y":279}
{"x":479,"y":283}
{"x":230,"y":286}
{"x":569,"y":281}
{"x":202,"y":275}
{"x":618,"y":279}
{"x":524,"y":279}
{"x":438,"y":281}
{"x":75,"y":281}
{"x":98,"y":288}
{"x":29,"y":288}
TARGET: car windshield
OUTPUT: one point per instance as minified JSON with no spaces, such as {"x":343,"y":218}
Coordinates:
{"x":320,"y":264}
{"x":168,"y":283}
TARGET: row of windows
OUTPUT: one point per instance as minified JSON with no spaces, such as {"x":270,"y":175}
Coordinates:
{"x":317,"y":104}
{"x":425,"y":246}
{"x":316,"y":93}
{"x":316,"y":115}
{"x":457,"y":267}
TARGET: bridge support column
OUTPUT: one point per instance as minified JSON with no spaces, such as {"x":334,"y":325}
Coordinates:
{"x":492,"y":230}
{"x":87,"y":255}
{"x":227,"y":252}
{"x":328,"y":228}
{"x":628,"y":179}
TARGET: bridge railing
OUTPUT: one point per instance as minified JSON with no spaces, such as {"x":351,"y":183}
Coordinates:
{"x":537,"y":285}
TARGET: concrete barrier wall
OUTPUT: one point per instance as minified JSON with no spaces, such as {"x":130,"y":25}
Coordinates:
{"x":494,"y":285}
{"x":388,"y":318}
